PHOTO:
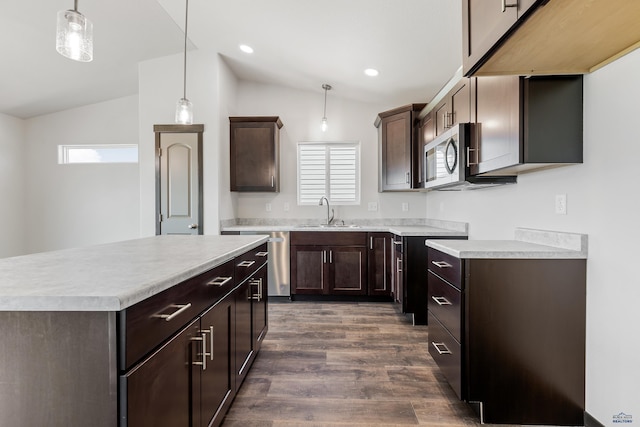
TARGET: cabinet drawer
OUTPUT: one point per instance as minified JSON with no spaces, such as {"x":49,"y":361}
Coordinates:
{"x":249,"y":262}
{"x":145,"y":325}
{"x":446,"y":266}
{"x":444,"y":302}
{"x":447,"y":353}
{"x":329,"y":238}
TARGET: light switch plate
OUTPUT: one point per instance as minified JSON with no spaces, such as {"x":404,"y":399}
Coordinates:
{"x":372,"y":206}
{"x":405,"y":207}
{"x":268,"y":207}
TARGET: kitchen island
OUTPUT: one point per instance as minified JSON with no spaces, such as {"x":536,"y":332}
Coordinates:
{"x":124,"y":333}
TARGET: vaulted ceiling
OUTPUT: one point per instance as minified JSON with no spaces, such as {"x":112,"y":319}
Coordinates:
{"x":415,"y":45}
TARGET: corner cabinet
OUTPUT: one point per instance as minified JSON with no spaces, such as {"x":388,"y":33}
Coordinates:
{"x":509,"y":335}
{"x":523,"y":124}
{"x":255,"y":153}
{"x":399,"y":148}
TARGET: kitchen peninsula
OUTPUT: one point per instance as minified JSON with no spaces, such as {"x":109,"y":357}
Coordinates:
{"x":130,"y":332}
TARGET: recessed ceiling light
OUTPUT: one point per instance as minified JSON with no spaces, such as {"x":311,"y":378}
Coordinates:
{"x":246,"y":49}
{"x":371,"y":72}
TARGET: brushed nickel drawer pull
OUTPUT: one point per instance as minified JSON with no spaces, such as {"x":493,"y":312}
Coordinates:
{"x":505,"y":5}
{"x":262,"y":254}
{"x":220,"y":281}
{"x":180,"y":309}
{"x":441,"y":264}
{"x":246,"y":263}
{"x":441,"y":300}
{"x":398,"y":242}
{"x":203,"y":339}
{"x":437,"y":346}
{"x":258,"y":295}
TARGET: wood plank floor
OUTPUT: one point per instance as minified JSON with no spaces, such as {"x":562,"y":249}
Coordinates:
{"x":345,"y":364}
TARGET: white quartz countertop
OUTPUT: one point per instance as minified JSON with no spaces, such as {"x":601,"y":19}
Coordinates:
{"x":528,"y":243}
{"x":113,"y":276}
{"x":400,"y":230}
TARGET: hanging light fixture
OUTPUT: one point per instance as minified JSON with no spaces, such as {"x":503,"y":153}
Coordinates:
{"x":326,"y":87}
{"x":184,"y":108}
{"x":74,"y":35}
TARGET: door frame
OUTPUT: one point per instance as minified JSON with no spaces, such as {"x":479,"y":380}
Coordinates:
{"x":159,"y":130}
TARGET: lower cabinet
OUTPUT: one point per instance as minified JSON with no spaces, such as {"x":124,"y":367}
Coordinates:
{"x":379,"y":264}
{"x":509,"y":336}
{"x":190,"y":379}
{"x":328,"y":263}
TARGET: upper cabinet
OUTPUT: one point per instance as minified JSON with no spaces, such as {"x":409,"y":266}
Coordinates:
{"x":399,"y":157}
{"x":529,"y":37}
{"x":453,"y":108}
{"x":255,"y":153}
{"x":524,"y":124}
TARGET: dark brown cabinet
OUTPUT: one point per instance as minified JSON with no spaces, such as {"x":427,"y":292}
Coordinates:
{"x":509,"y":335}
{"x":255,"y":154}
{"x":542,"y":37}
{"x":328,"y":263}
{"x":524,"y":124}
{"x":399,"y":156}
{"x":191,"y":376}
{"x":453,"y":108}
{"x":397,"y":277}
{"x":485,"y":24}
{"x":379,"y":259}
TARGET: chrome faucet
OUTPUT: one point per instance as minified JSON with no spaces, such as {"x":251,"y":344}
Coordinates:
{"x":321,"y":202}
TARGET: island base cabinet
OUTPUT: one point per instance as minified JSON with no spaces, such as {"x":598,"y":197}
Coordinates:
{"x":57,"y":369}
{"x":158,"y":391}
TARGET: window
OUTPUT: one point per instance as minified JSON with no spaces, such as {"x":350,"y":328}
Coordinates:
{"x":330,"y":169}
{"x":111,"y":153}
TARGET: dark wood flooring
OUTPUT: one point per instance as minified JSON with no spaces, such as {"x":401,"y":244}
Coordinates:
{"x":345,"y":364}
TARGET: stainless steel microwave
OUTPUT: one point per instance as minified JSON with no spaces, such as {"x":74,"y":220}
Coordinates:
{"x":446,"y":165}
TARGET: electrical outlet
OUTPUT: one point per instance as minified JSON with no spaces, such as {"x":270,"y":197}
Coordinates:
{"x":373,"y":206}
{"x":561,"y":204}
{"x":405,"y":207}
{"x":287,"y":206}
{"x":268,"y":207}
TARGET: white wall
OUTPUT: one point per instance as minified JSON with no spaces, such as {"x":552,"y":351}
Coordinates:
{"x":301,"y":113}
{"x":603,"y":202}
{"x":227,"y":96}
{"x":12,"y":188}
{"x":160,"y":87}
{"x":78,"y":205}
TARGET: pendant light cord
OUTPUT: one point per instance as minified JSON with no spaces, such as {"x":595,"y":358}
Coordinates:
{"x":75,"y":5}
{"x":186,"y":21}
{"x":324,"y":113}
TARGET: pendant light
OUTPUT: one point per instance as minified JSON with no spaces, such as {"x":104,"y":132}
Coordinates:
{"x":184,"y":108}
{"x":326,"y":87}
{"x":74,"y":35}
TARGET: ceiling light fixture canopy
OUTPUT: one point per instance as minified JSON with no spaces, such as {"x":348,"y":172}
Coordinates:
{"x":326,"y":87}
{"x":184,"y":107}
{"x":74,"y":35}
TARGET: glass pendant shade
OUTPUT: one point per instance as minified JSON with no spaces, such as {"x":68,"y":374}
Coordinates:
{"x":184,"y":112}
{"x":74,"y":38}
{"x":324,"y":125}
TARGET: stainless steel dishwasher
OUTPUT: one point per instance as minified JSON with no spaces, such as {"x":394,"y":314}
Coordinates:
{"x":279,"y":274}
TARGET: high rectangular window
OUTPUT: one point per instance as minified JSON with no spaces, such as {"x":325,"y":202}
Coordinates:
{"x":107,"y":153}
{"x":330,"y":169}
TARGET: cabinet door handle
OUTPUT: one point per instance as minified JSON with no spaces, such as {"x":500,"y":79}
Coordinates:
{"x":273,"y":181}
{"x":505,"y":5}
{"x":202,"y":338}
{"x":437,"y":346}
{"x":219,"y":281}
{"x":324,"y":257}
{"x":469,"y":150}
{"x":441,"y":264}
{"x":262,"y":254}
{"x":246,"y":263}
{"x":371,"y":242}
{"x":180,"y":309}
{"x":398,"y":265}
{"x":211,"y":343}
{"x":441,"y":300}
{"x":330,"y":257}
{"x":258,"y":295}
{"x":407,"y":177}
{"x":397,"y":242}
